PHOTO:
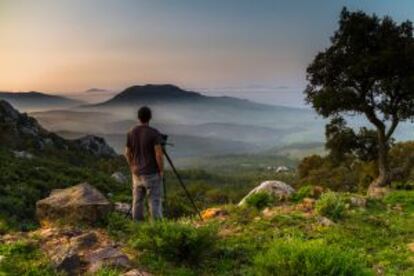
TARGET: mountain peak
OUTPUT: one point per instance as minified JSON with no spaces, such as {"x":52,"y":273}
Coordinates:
{"x":152,"y":93}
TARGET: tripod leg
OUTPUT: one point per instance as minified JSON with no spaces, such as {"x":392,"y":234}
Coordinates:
{"x":182,"y":184}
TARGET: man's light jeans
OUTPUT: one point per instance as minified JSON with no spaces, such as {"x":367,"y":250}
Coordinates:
{"x":151,"y":186}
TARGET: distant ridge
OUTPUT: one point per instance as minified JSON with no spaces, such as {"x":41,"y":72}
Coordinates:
{"x":36,"y":100}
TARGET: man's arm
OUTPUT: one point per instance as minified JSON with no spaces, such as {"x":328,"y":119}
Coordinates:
{"x":131,"y":162}
{"x":128,"y":155}
{"x":159,"y":156}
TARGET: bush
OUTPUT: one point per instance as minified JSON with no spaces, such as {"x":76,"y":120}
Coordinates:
{"x":331,"y":205}
{"x":304,"y":191}
{"x":298,"y":257}
{"x":175,"y":241}
{"x":260,"y":200}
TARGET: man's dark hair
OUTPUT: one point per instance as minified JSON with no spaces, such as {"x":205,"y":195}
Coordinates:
{"x":144,"y":114}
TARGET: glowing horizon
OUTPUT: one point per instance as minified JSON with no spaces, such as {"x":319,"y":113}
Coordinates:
{"x":71,"y":46}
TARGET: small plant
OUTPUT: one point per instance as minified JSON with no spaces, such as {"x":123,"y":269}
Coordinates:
{"x":304,"y":191}
{"x":298,"y":257}
{"x":260,"y":200}
{"x":175,"y":241}
{"x":331,"y":205}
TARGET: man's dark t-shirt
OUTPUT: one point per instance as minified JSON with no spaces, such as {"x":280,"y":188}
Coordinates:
{"x":141,"y":141}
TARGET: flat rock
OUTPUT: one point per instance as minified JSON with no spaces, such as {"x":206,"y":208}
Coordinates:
{"x":80,"y":203}
{"x":325,"y":221}
{"x":107,"y":257}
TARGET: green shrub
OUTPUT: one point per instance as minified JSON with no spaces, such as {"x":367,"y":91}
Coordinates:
{"x":175,"y":241}
{"x":23,"y":258}
{"x":298,"y":257}
{"x":260,"y":200}
{"x":330,"y":205}
{"x":304,"y":191}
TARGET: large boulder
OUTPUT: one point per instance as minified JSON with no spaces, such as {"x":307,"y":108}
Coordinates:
{"x":276,"y":188}
{"x":80,"y":203}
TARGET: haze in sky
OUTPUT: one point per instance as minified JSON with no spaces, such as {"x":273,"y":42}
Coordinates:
{"x":252,"y":49}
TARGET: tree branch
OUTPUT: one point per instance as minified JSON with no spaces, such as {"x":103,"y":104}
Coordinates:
{"x":372,"y":117}
{"x":392,"y":128}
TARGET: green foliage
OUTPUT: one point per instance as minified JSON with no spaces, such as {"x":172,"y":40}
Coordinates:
{"x":403,"y":198}
{"x":260,"y":200}
{"x":298,"y":257}
{"x":304,"y":191}
{"x":177,"y":242}
{"x":23,"y":258}
{"x":330,"y":205}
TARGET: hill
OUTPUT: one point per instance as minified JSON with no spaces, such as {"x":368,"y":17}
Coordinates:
{"x":32,"y":101}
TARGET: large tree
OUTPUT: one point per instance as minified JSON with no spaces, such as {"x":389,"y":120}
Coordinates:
{"x":368,"y":69}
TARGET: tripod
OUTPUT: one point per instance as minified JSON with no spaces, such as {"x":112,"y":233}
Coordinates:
{"x":179,"y":181}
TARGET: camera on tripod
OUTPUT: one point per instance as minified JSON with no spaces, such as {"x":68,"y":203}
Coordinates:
{"x":164,"y":140}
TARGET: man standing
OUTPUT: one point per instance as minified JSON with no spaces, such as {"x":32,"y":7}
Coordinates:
{"x":146,"y":161}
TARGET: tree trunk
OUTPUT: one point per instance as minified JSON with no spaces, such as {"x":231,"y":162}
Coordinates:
{"x":383,"y":178}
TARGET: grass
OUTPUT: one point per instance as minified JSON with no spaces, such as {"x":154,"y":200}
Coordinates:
{"x":23,"y":258}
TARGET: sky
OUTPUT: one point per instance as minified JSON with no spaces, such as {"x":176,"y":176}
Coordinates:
{"x":257,"y":50}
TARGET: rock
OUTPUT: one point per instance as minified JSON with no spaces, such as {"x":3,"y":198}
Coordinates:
{"x":85,"y":240}
{"x":282,"y":169}
{"x":213,"y":213}
{"x":2,"y":258}
{"x":23,"y":154}
{"x":65,"y":259}
{"x":377,"y":192}
{"x":307,"y":204}
{"x":119,"y":177}
{"x":325,"y":221}
{"x":136,"y":272}
{"x":273,"y":187}
{"x":358,"y":201}
{"x":95,"y":145}
{"x":411,"y":247}
{"x":80,"y":203}
{"x":122,"y":207}
{"x":107,"y":257}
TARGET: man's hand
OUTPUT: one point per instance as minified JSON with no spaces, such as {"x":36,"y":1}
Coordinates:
{"x":159,"y":155}
{"x":131,"y":162}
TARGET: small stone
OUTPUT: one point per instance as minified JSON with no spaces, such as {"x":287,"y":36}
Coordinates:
{"x":325,"y":221}
{"x":358,"y":201}
{"x":119,"y":177}
{"x":136,"y":272}
{"x":122,"y":207}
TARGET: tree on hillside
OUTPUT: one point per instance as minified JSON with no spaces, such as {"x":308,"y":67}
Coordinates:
{"x":368,"y":69}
